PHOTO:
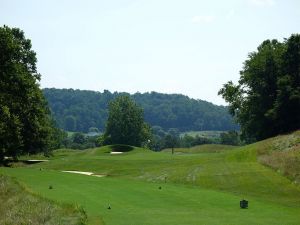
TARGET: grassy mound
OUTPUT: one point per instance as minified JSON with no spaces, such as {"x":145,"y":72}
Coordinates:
{"x":121,"y":148}
{"x":20,"y":207}
{"x":281,"y":153}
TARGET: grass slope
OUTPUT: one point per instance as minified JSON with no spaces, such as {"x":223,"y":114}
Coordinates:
{"x":201,"y":188}
{"x":207,"y":148}
{"x":282,"y":154}
{"x":20,"y":207}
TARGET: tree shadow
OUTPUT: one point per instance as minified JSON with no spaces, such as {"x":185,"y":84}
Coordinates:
{"x":121,"y":148}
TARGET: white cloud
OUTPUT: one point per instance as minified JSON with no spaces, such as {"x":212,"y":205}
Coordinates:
{"x":262,"y":2}
{"x":203,"y":19}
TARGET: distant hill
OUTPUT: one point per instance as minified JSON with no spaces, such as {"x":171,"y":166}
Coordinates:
{"x":78,"y":110}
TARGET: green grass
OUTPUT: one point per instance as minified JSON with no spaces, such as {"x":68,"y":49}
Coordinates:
{"x":204,"y":184}
{"x":137,"y":202}
{"x":21,"y":207}
{"x":206,"y":148}
{"x":235,"y":171}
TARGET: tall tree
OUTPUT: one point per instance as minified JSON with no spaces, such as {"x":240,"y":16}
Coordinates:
{"x":287,"y":104}
{"x":125,"y":124}
{"x":25,"y":124}
{"x":230,"y":138}
{"x":266,"y":99}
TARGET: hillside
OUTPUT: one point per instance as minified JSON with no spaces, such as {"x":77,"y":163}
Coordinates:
{"x":77,"y":110}
{"x":281,"y":153}
{"x":200,"y":185}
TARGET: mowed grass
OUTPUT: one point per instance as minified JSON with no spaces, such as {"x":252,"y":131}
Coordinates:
{"x":236,"y":171}
{"x":139,"y":202}
{"x":202,"y":187}
{"x":206,"y":148}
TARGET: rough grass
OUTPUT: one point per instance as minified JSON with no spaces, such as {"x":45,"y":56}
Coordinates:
{"x":207,"y":148}
{"x":282,"y":154}
{"x":20,"y":207}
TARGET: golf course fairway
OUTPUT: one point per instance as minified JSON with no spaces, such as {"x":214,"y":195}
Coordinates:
{"x":193,"y":186}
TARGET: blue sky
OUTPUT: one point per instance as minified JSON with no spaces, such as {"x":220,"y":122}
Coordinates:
{"x":189,"y":46}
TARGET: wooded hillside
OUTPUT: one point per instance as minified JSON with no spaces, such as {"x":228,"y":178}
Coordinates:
{"x":78,"y":110}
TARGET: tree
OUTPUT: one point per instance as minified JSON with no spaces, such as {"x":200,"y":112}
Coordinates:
{"x":78,"y":138}
{"x":266,"y":100}
{"x":287,"y":104}
{"x":25,"y":122}
{"x":93,"y":130}
{"x":125,"y":123}
{"x":172,"y":139}
{"x":10,"y":133}
{"x":187,"y":141}
{"x":199,"y":140}
{"x":230,"y":138}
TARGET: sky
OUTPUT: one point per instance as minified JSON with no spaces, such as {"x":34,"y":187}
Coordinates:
{"x":190,"y":47}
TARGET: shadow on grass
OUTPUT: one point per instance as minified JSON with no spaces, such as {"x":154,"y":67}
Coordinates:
{"x":121,"y":148}
{"x":18,"y":163}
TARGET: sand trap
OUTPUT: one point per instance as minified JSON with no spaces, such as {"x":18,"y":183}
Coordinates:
{"x":37,"y":160}
{"x":116,"y":153}
{"x":79,"y":172}
{"x":98,"y":175}
{"x":84,"y":173}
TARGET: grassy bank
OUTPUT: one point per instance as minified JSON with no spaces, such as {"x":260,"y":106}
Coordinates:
{"x":20,"y":207}
{"x":282,"y":154}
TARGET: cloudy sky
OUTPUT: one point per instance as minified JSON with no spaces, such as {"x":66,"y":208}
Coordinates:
{"x":171,"y":46}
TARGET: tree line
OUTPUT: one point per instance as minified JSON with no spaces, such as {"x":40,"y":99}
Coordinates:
{"x":78,"y":110}
{"x":126,"y":126}
{"x":156,"y":139}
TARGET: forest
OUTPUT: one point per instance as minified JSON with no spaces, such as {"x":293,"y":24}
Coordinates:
{"x":80,"y":110}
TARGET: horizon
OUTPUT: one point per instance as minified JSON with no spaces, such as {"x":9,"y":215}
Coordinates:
{"x":189,"y":48}
{"x":138,"y":92}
